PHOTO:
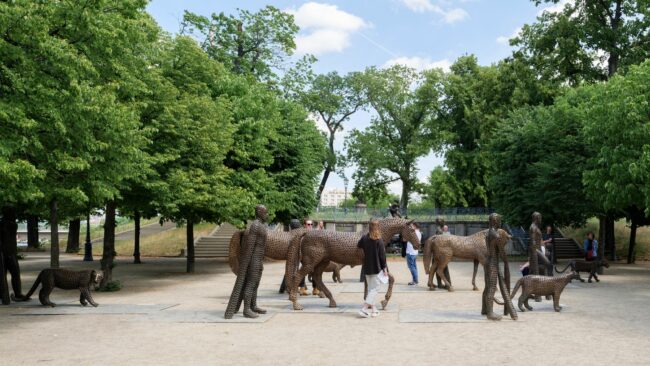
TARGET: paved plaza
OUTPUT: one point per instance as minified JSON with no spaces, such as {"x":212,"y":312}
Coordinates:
{"x":165,"y":316}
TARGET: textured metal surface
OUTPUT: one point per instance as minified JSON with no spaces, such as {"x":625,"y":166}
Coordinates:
{"x":64,"y":279}
{"x":584,"y":266}
{"x":250,"y":268}
{"x":316,"y":248}
{"x":495,"y":243}
{"x":533,"y":285}
{"x":440,"y":249}
{"x":535,"y":235}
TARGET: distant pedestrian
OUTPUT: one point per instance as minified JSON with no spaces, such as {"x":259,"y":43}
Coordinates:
{"x":321,"y":226}
{"x":412,"y":255}
{"x":374,"y":262}
{"x":590,"y":247}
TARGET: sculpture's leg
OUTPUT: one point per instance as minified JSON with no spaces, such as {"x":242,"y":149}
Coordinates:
{"x":486,"y":286}
{"x":283,"y":285}
{"x":318,"y":277}
{"x":441,"y":273}
{"x":293,"y":295}
{"x":82,"y":298}
{"x":237,"y":294}
{"x":520,"y":302}
{"x":11,"y":265}
{"x":44,"y":296}
{"x":432,"y":272}
{"x":89,"y":297}
{"x":526,"y":298}
{"x":254,"y":306}
{"x":556,"y":301}
{"x":508,"y":309}
{"x":474,"y":288}
{"x":595,"y":276}
{"x":389,"y":292}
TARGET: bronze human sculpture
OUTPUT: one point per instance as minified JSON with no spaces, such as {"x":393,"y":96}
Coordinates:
{"x":316,"y":248}
{"x":440,"y":249}
{"x":535,"y":235}
{"x":533,"y":286}
{"x":495,"y":244}
{"x":277,"y":246}
{"x":250,"y":268}
{"x":65,"y":279}
{"x":9,"y":256}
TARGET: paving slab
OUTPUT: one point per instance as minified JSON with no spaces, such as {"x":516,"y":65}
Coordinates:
{"x":203,"y":316}
{"x":77,"y":309}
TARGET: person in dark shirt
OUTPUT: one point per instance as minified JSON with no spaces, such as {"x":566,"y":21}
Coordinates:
{"x":374,"y":262}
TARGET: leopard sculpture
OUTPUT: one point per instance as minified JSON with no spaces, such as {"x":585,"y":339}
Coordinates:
{"x":440,"y":249}
{"x":316,"y":248}
{"x":65,"y":279}
{"x":584,"y":266}
{"x":535,"y":285}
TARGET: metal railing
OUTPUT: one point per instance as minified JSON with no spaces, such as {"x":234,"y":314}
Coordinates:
{"x":428,"y":214}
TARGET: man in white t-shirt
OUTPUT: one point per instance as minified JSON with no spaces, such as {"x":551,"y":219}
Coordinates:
{"x":412,"y":255}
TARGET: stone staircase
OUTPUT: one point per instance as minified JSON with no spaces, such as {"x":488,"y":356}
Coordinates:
{"x":215,"y":245}
{"x":565,"y":248}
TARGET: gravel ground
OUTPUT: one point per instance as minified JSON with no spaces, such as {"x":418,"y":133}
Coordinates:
{"x":606,"y":322}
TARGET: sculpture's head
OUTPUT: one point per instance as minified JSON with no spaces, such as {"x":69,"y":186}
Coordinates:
{"x":408,"y":233}
{"x":294,"y":224}
{"x":261,"y":213}
{"x":537,"y":218}
{"x":574,"y":275}
{"x":494,"y":221}
{"x":604,"y":263}
{"x":96,"y":277}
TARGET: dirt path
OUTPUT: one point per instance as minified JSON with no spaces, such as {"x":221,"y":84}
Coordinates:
{"x":602,"y":323}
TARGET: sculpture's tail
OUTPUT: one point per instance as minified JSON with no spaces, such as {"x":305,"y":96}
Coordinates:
{"x":498,"y":302}
{"x":234,"y":250}
{"x":514,"y":290}
{"x":31,"y":290}
{"x":428,"y":253}
{"x":564,"y":270}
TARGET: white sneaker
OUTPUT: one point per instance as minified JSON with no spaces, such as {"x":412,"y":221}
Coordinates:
{"x":375,"y":314}
{"x":363,"y":313}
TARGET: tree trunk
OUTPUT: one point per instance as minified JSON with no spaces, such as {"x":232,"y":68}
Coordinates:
{"x":190,"y":246}
{"x":54,"y":234}
{"x":4,"y":286}
{"x":630,"y":250}
{"x":32,"y":231}
{"x":73,"y":236}
{"x":240,"y":49}
{"x":323,"y":181}
{"x":109,"y":244}
{"x":136,"y":239}
{"x":404,"y":201}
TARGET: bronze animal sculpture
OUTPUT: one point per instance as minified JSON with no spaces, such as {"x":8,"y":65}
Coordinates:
{"x":64,"y":279}
{"x":584,"y":266}
{"x":495,"y":243}
{"x":250,"y":268}
{"x":440,"y":249}
{"x":533,"y":286}
{"x":316,"y":248}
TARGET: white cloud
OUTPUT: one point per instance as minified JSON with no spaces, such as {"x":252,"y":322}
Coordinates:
{"x":324,"y":28}
{"x":556,"y":8}
{"x":505,"y":40}
{"x":419,"y":63}
{"x":426,"y":6}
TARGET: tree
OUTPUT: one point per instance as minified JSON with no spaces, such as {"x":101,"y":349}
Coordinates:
{"x":247,"y":43}
{"x":404,"y":128}
{"x":539,"y":156}
{"x":333,"y":99}
{"x":443,"y":190}
{"x":616,"y":127}
{"x":587,"y":40}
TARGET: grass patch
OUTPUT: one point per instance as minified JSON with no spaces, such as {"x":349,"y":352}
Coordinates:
{"x":164,"y":244}
{"x":111,"y":286}
{"x":622,"y":233}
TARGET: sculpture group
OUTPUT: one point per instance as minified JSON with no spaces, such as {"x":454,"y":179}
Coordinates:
{"x":313,"y":252}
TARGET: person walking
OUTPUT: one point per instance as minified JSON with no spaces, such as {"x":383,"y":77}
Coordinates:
{"x":374,"y":262}
{"x":412,"y":255}
{"x":590,"y":247}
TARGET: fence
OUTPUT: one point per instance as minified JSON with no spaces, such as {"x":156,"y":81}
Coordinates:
{"x":429,"y":214}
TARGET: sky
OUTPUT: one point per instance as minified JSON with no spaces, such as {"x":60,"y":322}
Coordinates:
{"x":352,"y":35}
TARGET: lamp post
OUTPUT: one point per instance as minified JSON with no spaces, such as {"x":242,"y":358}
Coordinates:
{"x":88,"y":246}
{"x":345,"y":195}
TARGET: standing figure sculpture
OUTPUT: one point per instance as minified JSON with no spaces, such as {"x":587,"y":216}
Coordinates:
{"x":9,"y":247}
{"x":394,"y":209}
{"x":494,"y":243}
{"x":534,"y":248}
{"x":250,"y":268}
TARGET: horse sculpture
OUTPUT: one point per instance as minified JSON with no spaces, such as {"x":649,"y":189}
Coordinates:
{"x":315,"y":250}
{"x":440,"y":249}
